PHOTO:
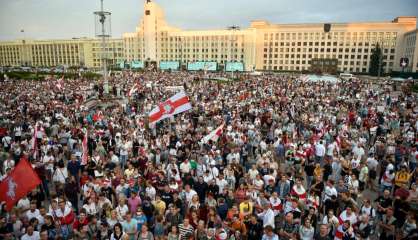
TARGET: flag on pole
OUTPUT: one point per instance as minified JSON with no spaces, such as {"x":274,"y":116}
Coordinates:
{"x":34,"y":142}
{"x":134,"y":89}
{"x":214,"y":135}
{"x":98,"y":116}
{"x":174,"y":105}
{"x":338,"y":143}
{"x":60,"y":83}
{"x":85,"y":156}
{"x":21,"y":180}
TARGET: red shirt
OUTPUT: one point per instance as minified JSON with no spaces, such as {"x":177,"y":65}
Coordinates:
{"x":83,"y":180}
{"x":3,"y":132}
{"x":77,"y":225}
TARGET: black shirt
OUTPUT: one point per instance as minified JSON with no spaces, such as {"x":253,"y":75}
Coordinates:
{"x":167,"y":197}
{"x":384,"y":202}
{"x":255,"y":231}
{"x":319,"y":237}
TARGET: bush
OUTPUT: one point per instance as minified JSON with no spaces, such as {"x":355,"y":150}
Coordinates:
{"x":415,"y":88}
{"x":41,"y":75}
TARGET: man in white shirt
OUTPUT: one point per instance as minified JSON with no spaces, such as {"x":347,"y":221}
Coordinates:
{"x":31,"y":234}
{"x":113,"y":158}
{"x":18,"y":133}
{"x":33,"y":212}
{"x":330,"y":190}
{"x":8,"y":164}
{"x":189,"y":193}
{"x":358,"y":151}
{"x":185,"y":167}
{"x":253,"y":172}
{"x":7,"y":141}
{"x":267,"y":216}
{"x":319,"y":151}
{"x":23,"y":204}
{"x":221,"y":182}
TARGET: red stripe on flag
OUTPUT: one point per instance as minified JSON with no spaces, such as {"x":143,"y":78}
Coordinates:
{"x":179,"y":102}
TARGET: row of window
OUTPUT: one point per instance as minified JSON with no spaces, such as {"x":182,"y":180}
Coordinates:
{"x":215,"y":56}
{"x":317,"y":35}
{"x":230,"y":36}
{"x":302,"y":68}
{"x":340,"y":56}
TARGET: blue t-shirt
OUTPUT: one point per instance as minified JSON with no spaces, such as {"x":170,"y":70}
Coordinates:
{"x":140,"y":220}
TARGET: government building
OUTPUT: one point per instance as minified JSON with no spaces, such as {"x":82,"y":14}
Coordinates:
{"x":261,"y":46}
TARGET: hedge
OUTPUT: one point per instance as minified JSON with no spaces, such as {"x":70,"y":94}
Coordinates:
{"x":41,"y":75}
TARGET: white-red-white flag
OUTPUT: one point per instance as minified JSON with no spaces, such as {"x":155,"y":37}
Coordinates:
{"x":176,"y":104}
{"x":36,"y":132}
{"x":34,"y":141}
{"x":134,"y":89}
{"x":60,"y":83}
{"x":214,"y":135}
{"x":85,"y":156}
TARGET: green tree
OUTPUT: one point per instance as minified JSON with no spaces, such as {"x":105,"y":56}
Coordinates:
{"x":374,"y":61}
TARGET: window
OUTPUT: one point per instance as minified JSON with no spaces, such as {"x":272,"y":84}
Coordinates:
{"x":147,"y":12}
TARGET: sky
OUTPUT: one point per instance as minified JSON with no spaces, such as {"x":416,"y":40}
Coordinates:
{"x":62,"y":19}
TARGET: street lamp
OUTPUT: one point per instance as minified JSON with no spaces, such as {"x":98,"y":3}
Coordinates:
{"x":102,"y":24}
{"x":379,"y":70}
{"x":232,"y":28}
{"x":181,"y":52}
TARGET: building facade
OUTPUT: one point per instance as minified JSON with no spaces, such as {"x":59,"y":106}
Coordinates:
{"x":82,"y":52}
{"x":410,"y":47}
{"x":261,"y":46}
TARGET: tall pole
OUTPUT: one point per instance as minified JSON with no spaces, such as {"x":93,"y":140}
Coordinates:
{"x":232,"y":45}
{"x":181,"y":52}
{"x":380,"y":62}
{"x":104,"y":63}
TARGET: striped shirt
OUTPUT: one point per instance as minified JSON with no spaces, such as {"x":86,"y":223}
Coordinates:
{"x":185,"y":232}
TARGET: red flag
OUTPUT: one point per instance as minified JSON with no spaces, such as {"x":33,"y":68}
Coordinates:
{"x":21,"y":180}
{"x":85,"y":156}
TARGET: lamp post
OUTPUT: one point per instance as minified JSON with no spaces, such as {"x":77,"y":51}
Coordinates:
{"x":233,"y":28}
{"x":379,"y":70}
{"x":103,"y":31}
{"x":181,"y":52}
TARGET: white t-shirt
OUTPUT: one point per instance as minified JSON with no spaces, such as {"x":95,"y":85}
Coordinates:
{"x":121,"y":211}
{"x":46,"y":160}
{"x":150,"y":192}
{"x":259,"y":183}
{"x":34,"y":214}
{"x":35,"y":236}
{"x":330,"y":149}
{"x":372,"y":163}
{"x":319,"y":150}
{"x":60,"y":175}
{"x":6,"y":141}
{"x":221,"y":184}
{"x":18,"y":131}
{"x":185,"y":167}
{"x":253,"y":173}
{"x":329,"y":191}
{"x":189,"y":195}
{"x":23,"y":203}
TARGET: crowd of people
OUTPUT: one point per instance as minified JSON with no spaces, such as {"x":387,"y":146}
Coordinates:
{"x":295,"y":160}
